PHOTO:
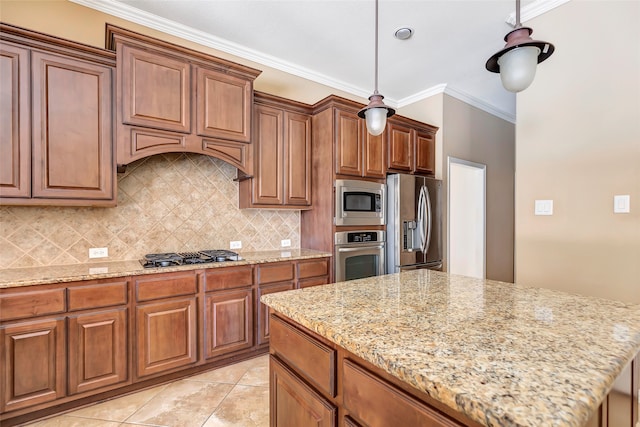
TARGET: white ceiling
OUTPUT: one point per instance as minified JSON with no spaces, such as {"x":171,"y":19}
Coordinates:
{"x":332,"y":41}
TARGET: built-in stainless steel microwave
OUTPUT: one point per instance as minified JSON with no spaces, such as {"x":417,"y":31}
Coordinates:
{"x":360,"y":202}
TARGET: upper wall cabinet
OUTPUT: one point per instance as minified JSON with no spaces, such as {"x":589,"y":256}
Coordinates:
{"x":281,"y":155}
{"x":357,"y":152}
{"x":411,"y":147}
{"x":56,"y":108}
{"x":173,"y":99}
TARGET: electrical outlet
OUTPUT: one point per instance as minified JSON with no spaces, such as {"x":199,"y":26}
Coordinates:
{"x":98,"y":252}
{"x":235,"y":244}
{"x":285,"y":243}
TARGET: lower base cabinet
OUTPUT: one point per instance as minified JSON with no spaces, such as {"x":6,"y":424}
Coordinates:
{"x":166,"y":336}
{"x":228,"y":322}
{"x":293,"y":403}
{"x":33,"y":363}
{"x":66,"y":343}
{"x":314,"y":382}
{"x":97,"y":350}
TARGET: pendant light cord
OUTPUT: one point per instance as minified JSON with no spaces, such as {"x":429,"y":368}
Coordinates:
{"x":518,"y":24}
{"x":375,"y":92}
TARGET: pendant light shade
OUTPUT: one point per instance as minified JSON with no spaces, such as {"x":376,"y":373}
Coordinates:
{"x":518,"y":60}
{"x":376,"y":113}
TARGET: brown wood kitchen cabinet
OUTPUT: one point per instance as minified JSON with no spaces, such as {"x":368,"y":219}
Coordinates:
{"x":166,"y":322}
{"x":228,"y":313}
{"x":174,"y":99}
{"x":315,"y":382}
{"x":281,"y":155}
{"x":88,"y":340}
{"x":312,"y":272}
{"x":272,"y":277}
{"x":411,"y":148}
{"x":357,"y":152}
{"x":98,"y":335}
{"x":55,"y":152}
{"x":33,"y":351}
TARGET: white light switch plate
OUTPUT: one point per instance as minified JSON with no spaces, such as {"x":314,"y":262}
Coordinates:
{"x":622,"y":204}
{"x":543,"y":207}
{"x":285,"y":243}
{"x":235,"y":244}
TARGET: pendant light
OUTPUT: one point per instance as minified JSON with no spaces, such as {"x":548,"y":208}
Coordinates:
{"x":518,"y":60}
{"x":376,"y":113}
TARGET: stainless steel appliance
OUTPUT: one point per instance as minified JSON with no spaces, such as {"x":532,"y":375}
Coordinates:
{"x":359,"y":254}
{"x":359,"y":202}
{"x":414,"y":226}
{"x":183,"y":258}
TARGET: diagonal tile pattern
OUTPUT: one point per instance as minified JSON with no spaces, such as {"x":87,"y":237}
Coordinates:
{"x":233,"y":396}
{"x":166,"y":203}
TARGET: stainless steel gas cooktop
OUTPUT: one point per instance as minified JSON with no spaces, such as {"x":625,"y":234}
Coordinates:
{"x":185,"y":258}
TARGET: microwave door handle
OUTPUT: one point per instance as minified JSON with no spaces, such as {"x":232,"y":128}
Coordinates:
{"x":429,"y":220}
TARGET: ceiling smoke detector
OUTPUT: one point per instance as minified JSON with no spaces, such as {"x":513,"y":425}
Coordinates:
{"x":403,"y":33}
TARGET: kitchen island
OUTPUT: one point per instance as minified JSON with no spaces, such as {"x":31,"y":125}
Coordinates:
{"x":448,"y":349}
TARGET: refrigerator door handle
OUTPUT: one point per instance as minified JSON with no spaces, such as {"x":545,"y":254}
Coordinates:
{"x":427,"y":224}
{"x":420,"y":226}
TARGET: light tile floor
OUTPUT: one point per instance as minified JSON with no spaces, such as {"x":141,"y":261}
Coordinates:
{"x":233,"y":396}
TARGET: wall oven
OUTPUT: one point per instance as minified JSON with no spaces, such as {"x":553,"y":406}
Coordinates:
{"x":359,"y":254}
{"x":360,"y":202}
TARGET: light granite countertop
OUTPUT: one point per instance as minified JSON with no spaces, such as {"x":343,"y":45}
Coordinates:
{"x":18,"y":277}
{"x":503,"y":354}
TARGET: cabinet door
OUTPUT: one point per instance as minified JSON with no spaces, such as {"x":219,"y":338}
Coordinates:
{"x":97,"y":350}
{"x":263,"y":310}
{"x":293,"y":403}
{"x":223,"y":105}
{"x":425,"y":156}
{"x":400,"y":147}
{"x":297,"y":155}
{"x":165,"y":336}
{"x":15,"y":122}
{"x":33,"y":363}
{"x":155,"y":89}
{"x":375,"y":162}
{"x":268,"y":166}
{"x":228,"y":322}
{"x":349,"y":136}
{"x":72,"y":129}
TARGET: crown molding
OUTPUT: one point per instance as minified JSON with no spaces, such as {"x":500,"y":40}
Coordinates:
{"x":534,"y":10}
{"x":173,"y":28}
{"x":132,"y":14}
{"x":475,"y":102}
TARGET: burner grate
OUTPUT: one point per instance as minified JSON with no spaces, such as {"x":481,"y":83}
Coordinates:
{"x":170,"y":259}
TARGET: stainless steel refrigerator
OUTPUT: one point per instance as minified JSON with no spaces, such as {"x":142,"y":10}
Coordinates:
{"x":414,"y":223}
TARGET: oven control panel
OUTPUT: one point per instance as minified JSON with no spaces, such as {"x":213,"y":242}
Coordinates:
{"x":359,"y":237}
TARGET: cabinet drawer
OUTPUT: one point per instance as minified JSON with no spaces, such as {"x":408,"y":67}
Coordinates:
{"x":98,"y":295}
{"x":165,"y":286}
{"x":363,"y":392}
{"x":228,"y":277}
{"x":278,"y":272}
{"x":313,"y":268}
{"x":308,"y":356}
{"x":31,"y":304}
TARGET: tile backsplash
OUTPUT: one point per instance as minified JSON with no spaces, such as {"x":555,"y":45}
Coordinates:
{"x":166,"y":203}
